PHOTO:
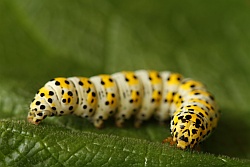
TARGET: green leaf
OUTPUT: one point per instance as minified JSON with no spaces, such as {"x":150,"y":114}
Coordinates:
{"x":56,"y":146}
{"x":40,"y":40}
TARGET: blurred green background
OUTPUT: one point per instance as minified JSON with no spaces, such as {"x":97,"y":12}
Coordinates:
{"x":205,"y":40}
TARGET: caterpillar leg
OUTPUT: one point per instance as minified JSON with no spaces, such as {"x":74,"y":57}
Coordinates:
{"x":138,"y":123}
{"x":169,"y":140}
{"x":98,"y":123}
{"x":119,"y":122}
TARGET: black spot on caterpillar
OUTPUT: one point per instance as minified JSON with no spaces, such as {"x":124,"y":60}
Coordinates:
{"x":194,"y":114}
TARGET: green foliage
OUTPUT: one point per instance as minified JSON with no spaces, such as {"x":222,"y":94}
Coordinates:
{"x":40,"y":40}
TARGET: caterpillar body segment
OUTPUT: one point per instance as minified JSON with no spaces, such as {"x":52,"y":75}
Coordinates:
{"x":171,"y":83}
{"x":152,"y":87}
{"x":131,"y":93}
{"x":108,"y":96}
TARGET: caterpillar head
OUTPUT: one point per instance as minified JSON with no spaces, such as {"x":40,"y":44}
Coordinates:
{"x":188,"y":128}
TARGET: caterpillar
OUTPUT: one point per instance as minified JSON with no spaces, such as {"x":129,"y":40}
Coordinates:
{"x":144,"y":93}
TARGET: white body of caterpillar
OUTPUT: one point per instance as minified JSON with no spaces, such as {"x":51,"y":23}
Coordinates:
{"x":142,"y":93}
